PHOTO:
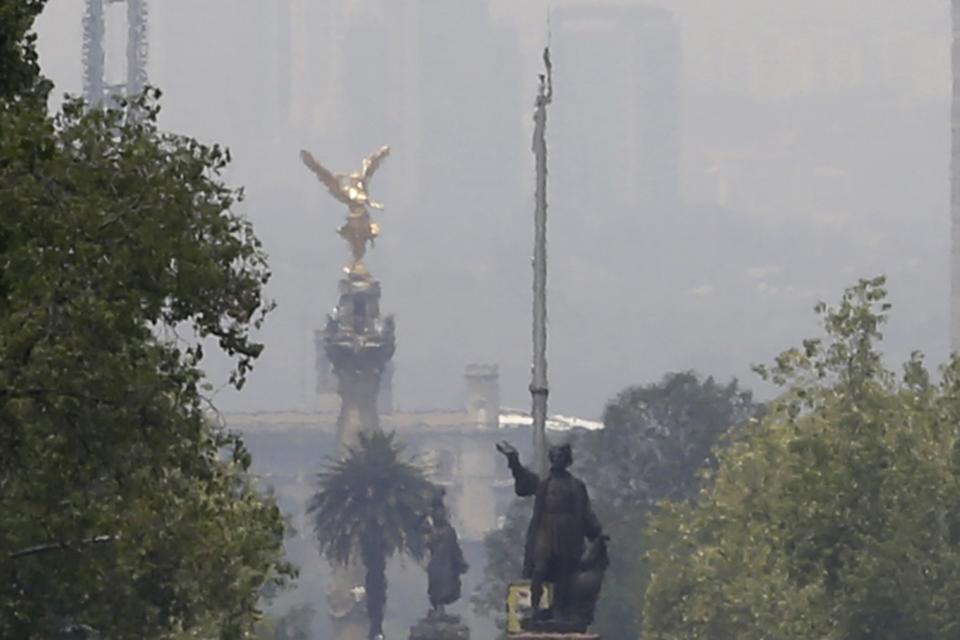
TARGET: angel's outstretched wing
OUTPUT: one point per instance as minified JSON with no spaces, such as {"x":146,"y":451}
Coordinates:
{"x":325,"y":176}
{"x":371,"y":162}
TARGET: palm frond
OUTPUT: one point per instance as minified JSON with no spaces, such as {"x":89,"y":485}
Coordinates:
{"x":374,"y":492}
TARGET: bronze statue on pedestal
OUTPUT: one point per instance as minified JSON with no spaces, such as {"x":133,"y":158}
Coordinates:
{"x":444,"y":568}
{"x":446,"y":563}
{"x":554,"y":551}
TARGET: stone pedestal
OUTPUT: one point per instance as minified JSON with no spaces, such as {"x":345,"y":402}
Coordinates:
{"x":443,"y":627}
{"x":359,"y":343}
{"x":545,"y":635}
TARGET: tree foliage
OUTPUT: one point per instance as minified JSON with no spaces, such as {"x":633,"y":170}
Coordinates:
{"x":503,"y":548}
{"x":19,"y":65}
{"x":369,"y":506}
{"x":293,"y":624}
{"x":657,"y":437}
{"x":836,"y":515}
{"x":124,"y":509}
{"x":655,"y":441}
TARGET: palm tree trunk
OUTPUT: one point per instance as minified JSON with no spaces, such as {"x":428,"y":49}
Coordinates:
{"x":375,"y":583}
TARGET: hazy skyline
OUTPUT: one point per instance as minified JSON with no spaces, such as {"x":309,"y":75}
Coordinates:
{"x":811,"y":141}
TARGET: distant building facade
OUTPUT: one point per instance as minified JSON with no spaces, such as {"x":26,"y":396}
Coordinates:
{"x":456,"y":446}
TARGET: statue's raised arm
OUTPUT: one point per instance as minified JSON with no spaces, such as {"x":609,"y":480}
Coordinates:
{"x":525,"y":481}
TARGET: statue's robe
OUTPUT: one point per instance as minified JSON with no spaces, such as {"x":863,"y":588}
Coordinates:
{"x":562,"y":518}
{"x":445,"y":566}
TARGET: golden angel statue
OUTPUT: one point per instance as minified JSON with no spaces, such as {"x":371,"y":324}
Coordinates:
{"x":351,"y":189}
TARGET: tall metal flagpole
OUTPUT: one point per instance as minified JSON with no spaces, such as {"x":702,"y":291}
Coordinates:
{"x":539,"y":390}
{"x":955,"y":183}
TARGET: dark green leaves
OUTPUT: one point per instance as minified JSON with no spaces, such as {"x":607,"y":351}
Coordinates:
{"x":372,"y":492}
{"x":19,"y":68}
{"x":370,"y":505}
{"x":119,"y":252}
{"x":834,"y":516}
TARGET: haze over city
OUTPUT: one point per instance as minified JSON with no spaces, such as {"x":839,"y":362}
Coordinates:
{"x":723,"y":180}
{"x":716,"y":169}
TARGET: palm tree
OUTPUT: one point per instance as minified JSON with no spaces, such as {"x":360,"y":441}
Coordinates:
{"x":370,"y":505}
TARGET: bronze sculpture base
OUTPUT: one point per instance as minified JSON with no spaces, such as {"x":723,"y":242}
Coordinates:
{"x":440,"y":627}
{"x":547,"y":635}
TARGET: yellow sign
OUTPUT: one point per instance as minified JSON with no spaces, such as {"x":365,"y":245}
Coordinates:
{"x":519,"y":603}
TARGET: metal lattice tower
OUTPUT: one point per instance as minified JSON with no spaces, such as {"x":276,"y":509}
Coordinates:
{"x":95,"y":87}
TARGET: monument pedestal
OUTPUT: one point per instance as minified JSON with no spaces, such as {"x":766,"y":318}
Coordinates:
{"x":358,"y":343}
{"x":549,"y":635}
{"x":442,"y":627}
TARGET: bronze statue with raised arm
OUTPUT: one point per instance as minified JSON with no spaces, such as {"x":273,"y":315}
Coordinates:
{"x":554,"y":550}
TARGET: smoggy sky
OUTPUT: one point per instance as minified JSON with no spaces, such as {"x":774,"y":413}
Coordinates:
{"x":716,"y":169}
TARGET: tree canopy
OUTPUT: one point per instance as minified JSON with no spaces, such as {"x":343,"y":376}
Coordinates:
{"x":19,"y":65}
{"x":834,"y":516}
{"x":656,"y":440}
{"x":124,"y":508}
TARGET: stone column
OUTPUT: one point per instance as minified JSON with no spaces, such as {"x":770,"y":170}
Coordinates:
{"x":359,"y":344}
{"x":483,"y":395}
